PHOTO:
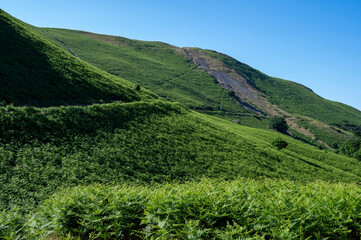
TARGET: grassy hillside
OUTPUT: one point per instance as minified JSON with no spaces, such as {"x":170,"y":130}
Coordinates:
{"x":36,"y":72}
{"x":293,"y":97}
{"x":168,"y":71}
{"x":154,"y":65}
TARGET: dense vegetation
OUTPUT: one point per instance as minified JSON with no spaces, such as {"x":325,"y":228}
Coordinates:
{"x":208,"y":209}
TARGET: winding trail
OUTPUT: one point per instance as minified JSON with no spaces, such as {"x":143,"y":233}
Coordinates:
{"x":67,"y":46}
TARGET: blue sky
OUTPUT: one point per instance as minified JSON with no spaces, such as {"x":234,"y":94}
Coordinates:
{"x":313,"y":42}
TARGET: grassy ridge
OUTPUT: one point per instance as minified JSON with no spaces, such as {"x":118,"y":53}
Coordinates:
{"x":159,"y":68}
{"x":36,"y":72}
{"x":208,"y":209}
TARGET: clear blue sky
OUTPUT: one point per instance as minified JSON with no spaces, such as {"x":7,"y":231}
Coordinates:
{"x":313,"y":42}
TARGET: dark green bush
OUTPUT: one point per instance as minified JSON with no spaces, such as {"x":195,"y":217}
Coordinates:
{"x":232,"y":94}
{"x":279,"y":143}
{"x":279,"y":124}
{"x":137,"y":87}
{"x":352,"y":148}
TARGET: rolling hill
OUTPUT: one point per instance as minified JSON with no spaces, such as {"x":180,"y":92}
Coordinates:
{"x":65,"y":123}
{"x":213,"y":83}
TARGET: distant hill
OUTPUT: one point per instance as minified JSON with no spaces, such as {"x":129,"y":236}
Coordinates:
{"x":213,"y":83}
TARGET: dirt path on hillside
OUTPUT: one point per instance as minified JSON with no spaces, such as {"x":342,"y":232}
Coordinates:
{"x":67,"y":46}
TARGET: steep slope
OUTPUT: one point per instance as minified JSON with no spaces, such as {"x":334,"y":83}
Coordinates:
{"x":36,"y":72}
{"x":213,"y":83}
{"x":292,"y":97}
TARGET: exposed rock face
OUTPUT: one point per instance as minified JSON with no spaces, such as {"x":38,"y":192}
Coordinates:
{"x":226,"y":77}
{"x":249,"y":97}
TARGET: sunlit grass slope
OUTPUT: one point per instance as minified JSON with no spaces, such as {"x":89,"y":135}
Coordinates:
{"x":34,"y":71}
{"x":160,"y":68}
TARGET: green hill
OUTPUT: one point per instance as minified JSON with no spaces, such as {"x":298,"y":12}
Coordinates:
{"x":36,"y":72}
{"x":213,"y":83}
{"x":138,"y":141}
{"x":154,"y":65}
{"x":134,"y":140}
